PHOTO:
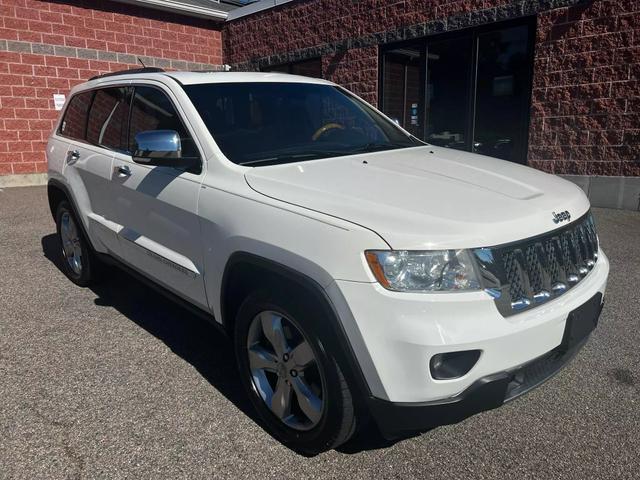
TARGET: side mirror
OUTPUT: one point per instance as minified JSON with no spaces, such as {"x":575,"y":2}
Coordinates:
{"x":162,"y":148}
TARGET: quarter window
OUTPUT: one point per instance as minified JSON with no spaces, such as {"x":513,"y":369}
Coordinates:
{"x":74,"y":122}
{"x":152,"y":110}
{"x":108,"y":118}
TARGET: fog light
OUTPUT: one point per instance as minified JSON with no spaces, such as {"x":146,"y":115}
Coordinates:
{"x":450,"y":365}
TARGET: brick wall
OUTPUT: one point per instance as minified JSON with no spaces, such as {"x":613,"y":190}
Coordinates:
{"x":585,"y":103}
{"x":586,"y":96}
{"x":355,"y":69}
{"x":47,"y":47}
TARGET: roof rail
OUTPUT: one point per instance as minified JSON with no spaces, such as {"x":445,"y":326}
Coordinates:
{"x":128,"y":71}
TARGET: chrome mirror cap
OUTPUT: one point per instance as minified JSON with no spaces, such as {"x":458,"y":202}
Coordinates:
{"x":158,"y":144}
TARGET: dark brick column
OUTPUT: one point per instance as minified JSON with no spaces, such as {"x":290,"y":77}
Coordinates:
{"x":356,"y":70}
{"x":586,"y":98}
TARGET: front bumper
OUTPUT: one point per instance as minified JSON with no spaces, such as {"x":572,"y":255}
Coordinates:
{"x":395,"y":335}
{"x":489,"y":392}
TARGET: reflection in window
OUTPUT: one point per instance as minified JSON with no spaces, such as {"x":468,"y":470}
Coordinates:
{"x":152,"y":110}
{"x":108,"y":118}
{"x":75,"y":117}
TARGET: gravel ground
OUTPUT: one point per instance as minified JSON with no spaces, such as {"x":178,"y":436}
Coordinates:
{"x":117,"y":382}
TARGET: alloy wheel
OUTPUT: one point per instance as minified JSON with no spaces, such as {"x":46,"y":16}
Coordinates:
{"x":284,"y":370}
{"x":71,"y":248}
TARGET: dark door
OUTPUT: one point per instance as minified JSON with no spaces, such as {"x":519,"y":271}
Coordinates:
{"x":502,"y":93}
{"x":448,"y":93}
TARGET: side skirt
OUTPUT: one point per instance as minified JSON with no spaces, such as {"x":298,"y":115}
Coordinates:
{"x":109,"y":260}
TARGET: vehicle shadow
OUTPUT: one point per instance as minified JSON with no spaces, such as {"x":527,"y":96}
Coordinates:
{"x":189,"y":336}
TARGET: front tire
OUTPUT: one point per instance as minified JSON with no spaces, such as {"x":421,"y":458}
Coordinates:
{"x":78,"y":261}
{"x":291,"y":377}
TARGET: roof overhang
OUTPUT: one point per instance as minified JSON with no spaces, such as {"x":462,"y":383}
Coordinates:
{"x":176,"y":6}
{"x":255,"y":7}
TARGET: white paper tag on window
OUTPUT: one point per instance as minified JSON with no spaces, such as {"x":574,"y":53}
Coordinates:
{"x":58,"y":100}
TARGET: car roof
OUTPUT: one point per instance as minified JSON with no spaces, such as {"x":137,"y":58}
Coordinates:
{"x":195,"y":78}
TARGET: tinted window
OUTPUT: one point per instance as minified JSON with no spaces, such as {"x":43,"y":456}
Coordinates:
{"x":74,"y":122}
{"x":263,"y":123}
{"x":152,"y":110}
{"x":108,"y":118}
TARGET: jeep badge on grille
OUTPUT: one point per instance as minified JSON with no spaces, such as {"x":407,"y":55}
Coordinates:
{"x":561,"y":217}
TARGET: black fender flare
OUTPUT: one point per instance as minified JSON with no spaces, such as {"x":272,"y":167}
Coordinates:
{"x":53,"y":183}
{"x":338,"y":338}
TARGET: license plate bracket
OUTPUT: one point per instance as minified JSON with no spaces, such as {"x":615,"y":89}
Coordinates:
{"x":582,"y":321}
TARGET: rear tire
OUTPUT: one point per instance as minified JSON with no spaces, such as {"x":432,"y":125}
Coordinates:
{"x":308,"y":408}
{"x":78,"y":261}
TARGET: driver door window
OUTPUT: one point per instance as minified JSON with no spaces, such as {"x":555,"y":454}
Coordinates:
{"x":152,"y":110}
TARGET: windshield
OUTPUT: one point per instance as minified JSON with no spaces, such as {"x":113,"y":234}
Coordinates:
{"x":270,"y":123}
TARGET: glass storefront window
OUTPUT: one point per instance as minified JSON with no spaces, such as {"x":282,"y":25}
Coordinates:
{"x":470,"y":91}
{"x":447,"y":96}
{"x":402,"y":82}
{"x":501,"y":93}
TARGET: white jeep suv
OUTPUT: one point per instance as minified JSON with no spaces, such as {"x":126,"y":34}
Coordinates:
{"x":360,"y":272}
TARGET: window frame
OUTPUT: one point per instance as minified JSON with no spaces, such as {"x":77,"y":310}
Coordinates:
{"x":86,"y":120}
{"x":93,"y":97}
{"x":132,"y":85}
{"x":185,"y":124}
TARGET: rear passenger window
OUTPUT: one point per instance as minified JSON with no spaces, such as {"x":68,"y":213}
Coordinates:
{"x":108,"y":118}
{"x":152,"y":110}
{"x":74,"y":122}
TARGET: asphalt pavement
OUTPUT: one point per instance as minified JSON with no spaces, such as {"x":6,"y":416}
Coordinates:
{"x":117,"y":382}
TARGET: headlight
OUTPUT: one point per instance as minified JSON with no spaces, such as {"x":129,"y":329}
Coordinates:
{"x":423,"y":271}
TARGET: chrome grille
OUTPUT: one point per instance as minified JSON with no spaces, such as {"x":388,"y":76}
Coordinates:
{"x":527,"y":273}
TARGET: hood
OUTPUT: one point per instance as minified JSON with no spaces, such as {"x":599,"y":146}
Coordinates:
{"x":426,"y":197}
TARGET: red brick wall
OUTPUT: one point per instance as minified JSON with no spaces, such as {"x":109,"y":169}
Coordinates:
{"x":586,"y":97}
{"x":47,"y":47}
{"x":356,"y":70}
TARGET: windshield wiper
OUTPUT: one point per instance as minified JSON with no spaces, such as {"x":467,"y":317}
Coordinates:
{"x":375,"y":147}
{"x":291,"y":157}
{"x":315,"y":154}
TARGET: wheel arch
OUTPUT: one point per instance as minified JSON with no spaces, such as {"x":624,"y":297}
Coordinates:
{"x":246,"y":272}
{"x":58,"y":192}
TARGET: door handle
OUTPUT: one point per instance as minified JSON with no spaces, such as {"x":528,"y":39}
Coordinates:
{"x":122,"y":171}
{"x":73,"y":156}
